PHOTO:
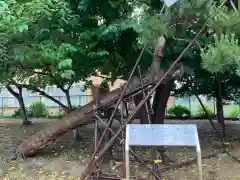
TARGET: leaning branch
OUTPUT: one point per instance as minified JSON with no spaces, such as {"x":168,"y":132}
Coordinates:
{"x":43,"y":93}
{"x":9,"y":88}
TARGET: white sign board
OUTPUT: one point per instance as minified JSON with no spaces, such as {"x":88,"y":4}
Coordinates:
{"x":178,"y":135}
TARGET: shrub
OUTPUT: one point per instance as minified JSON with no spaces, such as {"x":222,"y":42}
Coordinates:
{"x":37,"y":109}
{"x":235,"y":112}
{"x":201,"y":113}
{"x":62,"y":112}
{"x":17,"y":113}
{"x":179,"y":111}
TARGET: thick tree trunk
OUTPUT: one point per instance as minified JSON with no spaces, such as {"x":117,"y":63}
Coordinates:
{"x":142,"y":112}
{"x":160,"y":102}
{"x":23,"y":109}
{"x":219,"y":103}
{"x":79,"y":117}
{"x":159,"y":107}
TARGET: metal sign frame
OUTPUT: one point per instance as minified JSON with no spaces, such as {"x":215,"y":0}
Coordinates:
{"x":178,"y":129}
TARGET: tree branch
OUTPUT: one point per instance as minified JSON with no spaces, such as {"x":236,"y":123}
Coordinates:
{"x":50,"y":74}
{"x":196,"y":43}
{"x":38,"y":72}
{"x":20,"y":90}
{"x":56,"y":82}
{"x":10,"y":89}
{"x":43,"y":93}
{"x":76,"y":5}
{"x":70,"y":84}
{"x":62,"y":88}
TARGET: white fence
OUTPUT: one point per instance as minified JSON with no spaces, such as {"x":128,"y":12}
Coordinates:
{"x":77,"y":96}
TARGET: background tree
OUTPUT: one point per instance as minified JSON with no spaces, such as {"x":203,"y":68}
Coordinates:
{"x":8,"y":73}
{"x":34,"y":40}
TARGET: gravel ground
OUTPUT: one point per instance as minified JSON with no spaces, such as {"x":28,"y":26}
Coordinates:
{"x":66,"y":159}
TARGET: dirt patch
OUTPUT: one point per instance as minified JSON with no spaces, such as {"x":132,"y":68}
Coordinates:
{"x":66,"y":159}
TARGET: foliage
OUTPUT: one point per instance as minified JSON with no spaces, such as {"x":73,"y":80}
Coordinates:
{"x":218,"y":53}
{"x":62,"y":112}
{"x":201,"y":113}
{"x":179,"y":111}
{"x":36,"y":40}
{"x":235,"y":112}
{"x":61,"y":42}
{"x":220,"y":56}
{"x":223,"y":52}
{"x":203,"y":82}
{"x":40,"y":43}
{"x":17,"y":113}
{"x":219,"y":21}
{"x":37,"y":109}
{"x":35,"y":45}
{"x":148,"y":34}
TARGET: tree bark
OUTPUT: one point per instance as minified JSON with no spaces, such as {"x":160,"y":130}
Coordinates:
{"x":23,"y":109}
{"x":76,"y":132}
{"x":159,"y":107}
{"x":78,"y":117}
{"x":219,"y":103}
{"x":142,"y":112}
{"x":160,"y":102}
{"x":68,"y":99}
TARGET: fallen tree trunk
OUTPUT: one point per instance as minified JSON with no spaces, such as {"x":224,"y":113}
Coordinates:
{"x":78,"y":117}
{"x":74,"y":119}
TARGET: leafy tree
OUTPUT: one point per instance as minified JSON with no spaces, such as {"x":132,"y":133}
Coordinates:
{"x":40,"y":43}
{"x":223,"y":53}
{"x":7,"y":75}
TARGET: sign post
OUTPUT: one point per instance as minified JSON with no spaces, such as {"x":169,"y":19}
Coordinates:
{"x":175,"y":135}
